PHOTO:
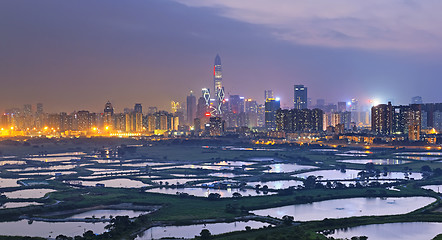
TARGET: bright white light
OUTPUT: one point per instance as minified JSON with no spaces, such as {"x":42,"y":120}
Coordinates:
{"x":348,"y":103}
{"x":375,"y":101}
{"x":277,"y":99}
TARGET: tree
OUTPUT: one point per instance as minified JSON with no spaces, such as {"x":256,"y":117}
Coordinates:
{"x":288,"y":220}
{"x":89,"y":235}
{"x":205,"y":234}
{"x":236,"y":195}
{"x":119,"y":224}
{"x":310,"y":182}
{"x":63,"y":237}
{"x":214,"y":196}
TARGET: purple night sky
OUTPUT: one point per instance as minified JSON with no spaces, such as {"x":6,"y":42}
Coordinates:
{"x":74,"y":55}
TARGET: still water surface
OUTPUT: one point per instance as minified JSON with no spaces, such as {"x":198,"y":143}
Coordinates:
{"x":281,"y":184}
{"x":204,"y":192}
{"x":388,"y":231}
{"x":117,"y":183}
{"x":47,"y":229}
{"x":194,"y":230}
{"x":375,"y":161}
{"x":9,"y":182}
{"x":18,"y":204}
{"x":352,"y":174}
{"x":287,"y":167}
{"x":436,"y":188}
{"x":29,"y":193}
{"x":342,"y":208}
{"x":106,"y":213}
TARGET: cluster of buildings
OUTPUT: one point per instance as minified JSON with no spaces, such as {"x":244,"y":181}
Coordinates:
{"x":409,"y":120}
{"x":212,"y":113}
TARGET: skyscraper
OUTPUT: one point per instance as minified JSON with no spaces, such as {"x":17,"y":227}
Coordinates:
{"x":236,"y":104}
{"x":137,"y":118}
{"x":217,"y":84}
{"x":271,"y":106}
{"x":108,"y":108}
{"x":300,"y":99}
{"x":39,"y":116}
{"x":191,"y":108}
{"x":108,"y":115}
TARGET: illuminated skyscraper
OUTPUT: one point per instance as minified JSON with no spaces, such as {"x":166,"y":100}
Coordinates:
{"x":217,"y":84}
{"x":108,"y":108}
{"x":39,"y":116}
{"x":108,"y":115}
{"x":271,"y":106}
{"x":191,"y":108}
{"x":236,"y":104}
{"x":300,"y":99}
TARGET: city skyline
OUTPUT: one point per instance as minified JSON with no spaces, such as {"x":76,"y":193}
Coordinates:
{"x":222,"y":119}
{"x":120,"y":53}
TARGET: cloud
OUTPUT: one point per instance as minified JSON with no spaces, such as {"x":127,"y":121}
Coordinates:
{"x":410,"y":25}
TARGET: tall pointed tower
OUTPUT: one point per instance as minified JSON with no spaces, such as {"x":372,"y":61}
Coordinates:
{"x":217,"y":84}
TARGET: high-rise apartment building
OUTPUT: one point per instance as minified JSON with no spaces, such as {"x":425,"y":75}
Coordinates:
{"x":382,"y":119}
{"x":299,"y":120}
